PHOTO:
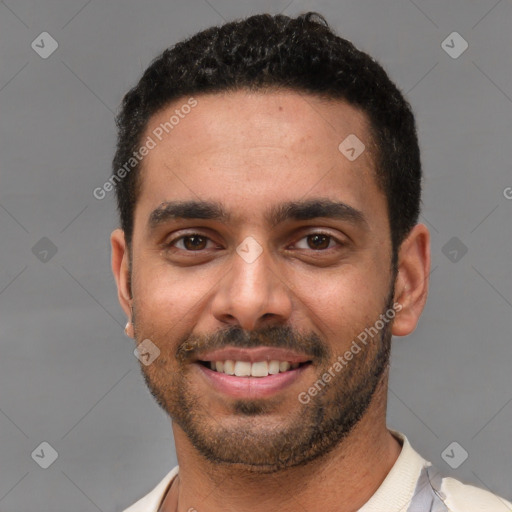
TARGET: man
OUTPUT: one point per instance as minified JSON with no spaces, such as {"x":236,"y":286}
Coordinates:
{"x":268,"y":180}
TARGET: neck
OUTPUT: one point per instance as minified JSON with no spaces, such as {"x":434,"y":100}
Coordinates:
{"x":343,"y":480}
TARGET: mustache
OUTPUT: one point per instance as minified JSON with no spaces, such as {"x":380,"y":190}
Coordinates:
{"x":309,"y":344}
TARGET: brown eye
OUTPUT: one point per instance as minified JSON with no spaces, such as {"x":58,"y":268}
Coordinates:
{"x":318,"y":241}
{"x":194,"y":242}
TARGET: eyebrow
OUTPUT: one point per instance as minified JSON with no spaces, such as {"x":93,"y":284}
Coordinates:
{"x":290,"y":210}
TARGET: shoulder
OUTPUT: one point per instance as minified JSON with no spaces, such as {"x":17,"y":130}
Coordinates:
{"x":460,"y":497}
{"x":437,"y":492}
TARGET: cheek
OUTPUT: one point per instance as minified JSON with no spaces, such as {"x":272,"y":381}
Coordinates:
{"x":166,"y":300}
{"x":342,"y":303}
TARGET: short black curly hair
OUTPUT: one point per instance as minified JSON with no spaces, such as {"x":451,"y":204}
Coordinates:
{"x":266,"y":51}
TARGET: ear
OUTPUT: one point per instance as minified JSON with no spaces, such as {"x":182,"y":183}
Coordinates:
{"x":121,"y":270}
{"x":411,"y":286}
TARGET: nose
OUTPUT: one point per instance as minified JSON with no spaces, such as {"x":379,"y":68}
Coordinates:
{"x":252,"y":295}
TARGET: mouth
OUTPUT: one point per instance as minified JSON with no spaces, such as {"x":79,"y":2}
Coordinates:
{"x":251,"y":373}
{"x":257,"y":369}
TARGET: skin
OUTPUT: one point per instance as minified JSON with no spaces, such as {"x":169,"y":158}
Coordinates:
{"x":249,"y":151}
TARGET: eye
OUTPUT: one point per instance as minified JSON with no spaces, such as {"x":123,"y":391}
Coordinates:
{"x":191,"y":242}
{"x":318,"y":241}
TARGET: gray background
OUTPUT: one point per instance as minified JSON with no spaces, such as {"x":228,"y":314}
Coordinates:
{"x":68,"y":375}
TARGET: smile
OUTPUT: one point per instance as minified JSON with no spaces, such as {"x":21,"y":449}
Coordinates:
{"x":248,"y":369}
{"x":256,"y":372}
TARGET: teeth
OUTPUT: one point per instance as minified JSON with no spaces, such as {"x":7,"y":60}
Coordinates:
{"x":248,"y":369}
{"x":259,"y":369}
{"x":229,"y":367}
{"x":243,"y":369}
{"x":284,"y":366}
{"x":273,"y":367}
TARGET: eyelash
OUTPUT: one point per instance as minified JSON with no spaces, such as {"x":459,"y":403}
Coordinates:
{"x":171,"y":243}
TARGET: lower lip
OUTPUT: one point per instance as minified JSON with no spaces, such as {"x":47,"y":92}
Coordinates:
{"x":251,"y":387}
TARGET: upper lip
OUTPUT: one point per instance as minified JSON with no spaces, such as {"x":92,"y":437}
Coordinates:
{"x":254,"y":355}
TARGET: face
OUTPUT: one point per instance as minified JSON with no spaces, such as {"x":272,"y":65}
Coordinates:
{"x":259,"y":248}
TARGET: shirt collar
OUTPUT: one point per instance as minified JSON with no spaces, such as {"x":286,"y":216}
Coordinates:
{"x":397,"y":490}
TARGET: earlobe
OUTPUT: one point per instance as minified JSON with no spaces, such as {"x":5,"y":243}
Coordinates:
{"x":128,"y":329}
{"x":121,"y":270}
{"x":411,"y":287}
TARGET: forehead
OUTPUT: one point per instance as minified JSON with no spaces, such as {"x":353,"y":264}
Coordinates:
{"x":257,"y":145}
{"x":296,"y":120}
